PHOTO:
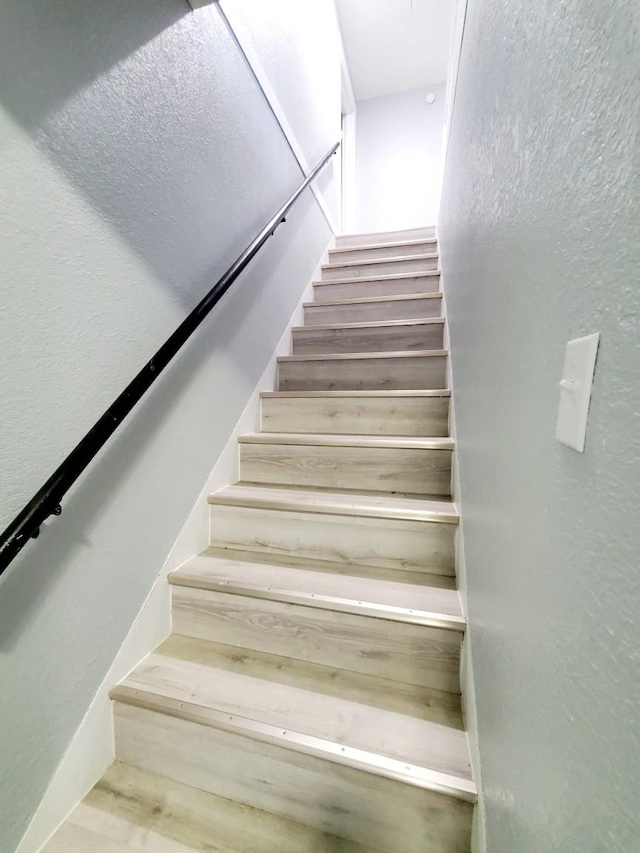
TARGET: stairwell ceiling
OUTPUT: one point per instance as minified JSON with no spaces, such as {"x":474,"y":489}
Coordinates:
{"x":396,"y":45}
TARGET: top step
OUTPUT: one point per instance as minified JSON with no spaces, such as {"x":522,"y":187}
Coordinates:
{"x":371,"y":251}
{"x":347,"y":240}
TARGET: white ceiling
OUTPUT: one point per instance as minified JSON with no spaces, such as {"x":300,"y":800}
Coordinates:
{"x":395,"y":45}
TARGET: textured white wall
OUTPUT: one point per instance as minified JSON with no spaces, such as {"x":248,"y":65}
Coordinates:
{"x":395,"y":45}
{"x":139,"y":157}
{"x":299,"y":47}
{"x":540,"y":241}
{"x":399,"y":160}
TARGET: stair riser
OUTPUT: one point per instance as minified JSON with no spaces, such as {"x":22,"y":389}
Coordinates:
{"x":346,"y":801}
{"x":366,"y":270}
{"x":379,"y":339}
{"x":372,"y":312}
{"x":384,"y":469}
{"x":428,"y":247}
{"x":372,"y":287}
{"x":417,"y":416}
{"x":362,"y":541}
{"x":346,"y":240}
{"x":411,"y":654}
{"x":362,"y":374}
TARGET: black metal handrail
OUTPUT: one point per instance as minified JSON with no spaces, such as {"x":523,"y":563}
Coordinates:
{"x":47,"y":501}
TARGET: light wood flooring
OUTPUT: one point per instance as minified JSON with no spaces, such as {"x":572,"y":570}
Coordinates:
{"x":308,"y":699}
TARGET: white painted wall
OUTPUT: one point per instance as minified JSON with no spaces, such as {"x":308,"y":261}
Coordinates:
{"x":348,"y":152}
{"x":300,"y":48}
{"x":540,"y":243}
{"x":139,"y":157}
{"x":395,"y":45}
{"x":399,"y":160}
{"x":455,"y":50}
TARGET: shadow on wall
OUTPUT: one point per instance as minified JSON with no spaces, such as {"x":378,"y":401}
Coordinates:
{"x":26,"y":585}
{"x":145,"y":115}
{"x":133,"y":104}
{"x":143,"y":107}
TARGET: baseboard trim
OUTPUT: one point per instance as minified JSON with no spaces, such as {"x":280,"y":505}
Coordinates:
{"x":467,"y":683}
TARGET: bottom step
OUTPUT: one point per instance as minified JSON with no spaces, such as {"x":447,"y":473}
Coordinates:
{"x":132,"y":809}
{"x":381,"y":779}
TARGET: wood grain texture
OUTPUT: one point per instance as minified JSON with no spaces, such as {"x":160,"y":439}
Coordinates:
{"x":206,"y":716}
{"x":390,"y":336}
{"x":336,"y":799}
{"x":74,"y":837}
{"x":384,"y":542}
{"x":309,"y":698}
{"x":382,"y":372}
{"x":358,"y":441}
{"x":423,"y":703}
{"x":132,"y":809}
{"x":394,"y":470}
{"x":241,"y":573}
{"x":388,"y":285}
{"x":321,"y":501}
{"x":396,"y":249}
{"x":373,"y":309}
{"x":413,"y":654}
{"x":356,"y":415}
{"x":287,"y":707}
{"x":350,"y":570}
{"x":380,"y":266}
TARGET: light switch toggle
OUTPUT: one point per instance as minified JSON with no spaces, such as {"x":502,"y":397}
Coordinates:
{"x":575,"y":391}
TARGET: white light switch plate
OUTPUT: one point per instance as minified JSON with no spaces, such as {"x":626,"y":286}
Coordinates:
{"x":575,"y":391}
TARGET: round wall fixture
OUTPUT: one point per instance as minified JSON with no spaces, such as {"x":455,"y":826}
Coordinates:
{"x":431,"y":97}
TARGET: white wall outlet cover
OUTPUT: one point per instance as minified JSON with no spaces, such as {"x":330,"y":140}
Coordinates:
{"x":575,"y":391}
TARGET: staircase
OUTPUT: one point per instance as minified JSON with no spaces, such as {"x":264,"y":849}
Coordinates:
{"x":309,"y":697}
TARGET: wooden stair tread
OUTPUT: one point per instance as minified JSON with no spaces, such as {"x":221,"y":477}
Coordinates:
{"x":418,"y":752}
{"x":336,"y":440}
{"x":360,"y":300}
{"x":397,"y":600}
{"x":393,"y":276}
{"x":385,"y":245}
{"x":412,"y":700}
{"x":423,"y":256}
{"x":134,"y":809}
{"x":359,"y":395}
{"x":337,"y":503}
{"x":387,"y":278}
{"x":375,"y":324}
{"x":402,"y":576}
{"x":76,"y":835}
{"x":342,"y":356}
